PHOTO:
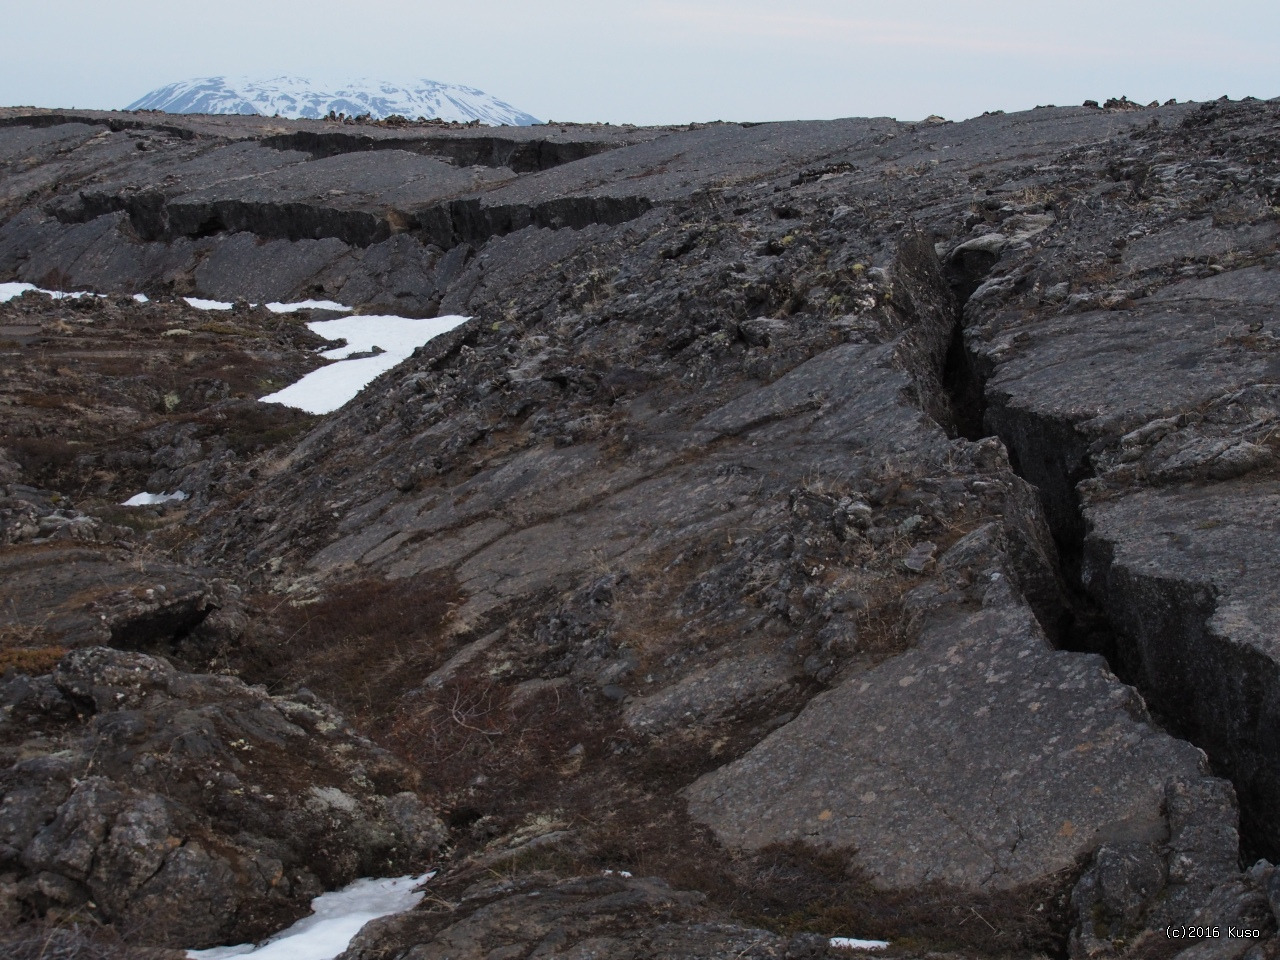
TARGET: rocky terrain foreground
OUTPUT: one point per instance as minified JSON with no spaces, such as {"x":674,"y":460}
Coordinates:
{"x":832,"y":529}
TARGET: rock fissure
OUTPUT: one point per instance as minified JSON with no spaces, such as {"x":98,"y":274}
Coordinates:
{"x":445,"y":226}
{"x":113,"y":123}
{"x":1155,"y":633}
{"x":520,"y":156}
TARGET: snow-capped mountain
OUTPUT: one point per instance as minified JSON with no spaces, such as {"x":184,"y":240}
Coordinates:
{"x":299,"y":97}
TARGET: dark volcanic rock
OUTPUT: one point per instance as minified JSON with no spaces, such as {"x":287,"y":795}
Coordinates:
{"x":190,"y":808}
{"x":607,"y":917}
{"x":1142,"y":404}
{"x":980,"y":758}
{"x":888,"y":498}
{"x":81,"y":596}
{"x":1196,"y":607}
{"x":106,"y":397}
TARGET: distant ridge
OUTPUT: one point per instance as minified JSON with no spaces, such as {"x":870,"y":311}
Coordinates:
{"x":298,"y":97}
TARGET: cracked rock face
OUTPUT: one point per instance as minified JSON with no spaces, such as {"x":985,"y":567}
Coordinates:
{"x":980,"y":758}
{"x":1143,"y":406}
{"x":1196,"y":606}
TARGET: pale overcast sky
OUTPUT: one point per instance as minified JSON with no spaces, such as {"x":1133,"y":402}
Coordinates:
{"x":662,"y":62}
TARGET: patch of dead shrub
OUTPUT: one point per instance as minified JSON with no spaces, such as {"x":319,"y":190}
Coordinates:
{"x":791,"y":888}
{"x":361,"y":647}
{"x":33,"y":661}
{"x":483,"y":749}
{"x":43,"y":459}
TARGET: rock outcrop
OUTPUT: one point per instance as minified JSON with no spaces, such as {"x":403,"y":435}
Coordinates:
{"x":190,"y":809}
{"x":607,"y":917}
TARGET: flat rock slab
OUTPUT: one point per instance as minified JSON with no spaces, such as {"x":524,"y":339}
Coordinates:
{"x":79,"y":596}
{"x":981,"y":758}
{"x":1196,"y":241}
{"x":708,"y":695}
{"x":1078,"y":365}
{"x":1066,"y":387}
{"x":1223,"y":537}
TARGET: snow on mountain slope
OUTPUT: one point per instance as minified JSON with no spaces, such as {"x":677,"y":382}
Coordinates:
{"x":300,"y":97}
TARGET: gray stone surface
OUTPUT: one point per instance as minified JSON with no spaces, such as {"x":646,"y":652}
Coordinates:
{"x":187,"y":178}
{"x":1129,"y":361}
{"x":1133,"y":891}
{"x":981,"y":758}
{"x":87,"y":595}
{"x":722,"y":417}
{"x":728,"y":689}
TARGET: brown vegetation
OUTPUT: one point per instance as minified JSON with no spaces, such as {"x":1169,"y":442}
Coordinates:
{"x":43,"y":459}
{"x":514,"y":777}
{"x":32,"y":661}
{"x":75,"y":939}
{"x":100,"y":384}
{"x":361,"y":646}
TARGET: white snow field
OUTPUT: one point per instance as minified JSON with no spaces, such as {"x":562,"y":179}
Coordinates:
{"x":300,"y":97}
{"x":201,"y":304}
{"x":335,"y":920}
{"x":10,"y":290}
{"x":308,"y":305}
{"x":328,"y":388}
{"x":148,"y":499}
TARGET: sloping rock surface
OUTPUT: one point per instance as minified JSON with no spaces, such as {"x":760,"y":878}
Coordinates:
{"x":606,"y":917}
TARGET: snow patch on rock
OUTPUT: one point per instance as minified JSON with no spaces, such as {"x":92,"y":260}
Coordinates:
{"x":850,"y":943}
{"x":328,"y":388}
{"x":149,"y":499}
{"x":335,"y":920}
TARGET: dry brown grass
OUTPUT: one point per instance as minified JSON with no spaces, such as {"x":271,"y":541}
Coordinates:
{"x":74,"y":939}
{"x":254,"y":428}
{"x":361,"y":646}
{"x":28,"y":647}
{"x":43,"y":459}
{"x":639,"y":824}
{"x":471,"y":732}
{"x":794,"y":889}
{"x":32,"y":661}
{"x":45,"y":401}
{"x":497,"y":763}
